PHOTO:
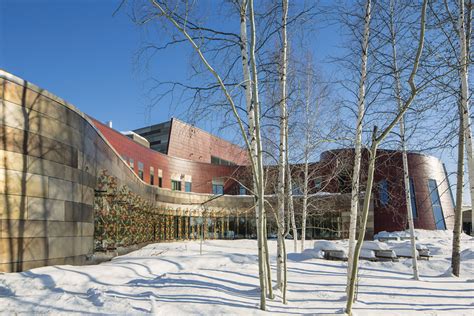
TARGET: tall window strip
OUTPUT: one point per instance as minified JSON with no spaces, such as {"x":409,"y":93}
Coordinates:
{"x":132,"y":164}
{"x":152,"y":175}
{"x":140,"y":170}
{"x":383,"y":192}
{"x":175,"y":185}
{"x":187,"y":186}
{"x":414,"y":210}
{"x":436,"y":205}
{"x":218,"y":189}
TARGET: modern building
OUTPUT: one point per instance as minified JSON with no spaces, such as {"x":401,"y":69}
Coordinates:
{"x":71,"y":185}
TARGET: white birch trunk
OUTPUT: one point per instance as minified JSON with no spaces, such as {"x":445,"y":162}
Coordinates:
{"x":259,"y":163}
{"x":282,"y":150}
{"x":463,"y":43}
{"x":255,"y":152}
{"x":456,"y":251}
{"x":358,"y":142}
{"x":406,"y":175}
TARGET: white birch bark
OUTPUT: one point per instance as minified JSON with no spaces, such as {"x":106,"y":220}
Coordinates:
{"x":251,"y":123}
{"x":464,"y":65}
{"x":456,"y":250}
{"x":406,"y":175}
{"x":259,"y":162}
{"x":282,"y":149}
{"x":358,"y":142}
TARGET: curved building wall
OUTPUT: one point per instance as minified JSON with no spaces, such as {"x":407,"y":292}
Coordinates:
{"x":390,"y":207}
{"x":50,"y":158}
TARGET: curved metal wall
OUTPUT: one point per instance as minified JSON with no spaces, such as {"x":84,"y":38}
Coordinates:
{"x":50,"y":157}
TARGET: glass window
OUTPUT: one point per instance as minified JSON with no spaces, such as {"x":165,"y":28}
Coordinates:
{"x":160,"y":182}
{"x":436,"y":205}
{"x":242,"y":190}
{"x":218,"y":189}
{"x":152,"y":175}
{"x":413,"y":199}
{"x":140,"y":170}
{"x":187,"y":186}
{"x":296,"y":189}
{"x":132,"y":164}
{"x":318,"y":183}
{"x":175,"y":185}
{"x":383,"y":192}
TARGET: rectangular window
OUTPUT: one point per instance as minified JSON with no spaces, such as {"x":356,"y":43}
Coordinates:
{"x":175,"y":185}
{"x":152,"y":175}
{"x":318,"y":183}
{"x":140,"y":170}
{"x":132,"y":164}
{"x":187,"y":186}
{"x":160,"y":182}
{"x":413,"y":199}
{"x":383,"y":192}
{"x":218,"y":189}
{"x":436,"y":205}
{"x":296,"y":189}
{"x":242,"y":190}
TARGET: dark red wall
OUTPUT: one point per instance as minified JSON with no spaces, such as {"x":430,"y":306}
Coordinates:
{"x":201,"y":173}
{"x":389,"y":166}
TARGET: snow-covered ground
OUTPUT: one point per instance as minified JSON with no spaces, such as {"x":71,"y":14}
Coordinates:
{"x":174,"y":279}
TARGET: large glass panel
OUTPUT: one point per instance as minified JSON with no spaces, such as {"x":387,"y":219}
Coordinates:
{"x":140,"y":170}
{"x":175,"y":185}
{"x":187,"y":186}
{"x":436,"y":204}
{"x":413,"y":199}
{"x":383,"y":192}
{"x":218,"y":189}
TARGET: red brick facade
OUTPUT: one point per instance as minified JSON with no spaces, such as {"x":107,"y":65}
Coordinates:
{"x":189,"y":142}
{"x":201,"y":173}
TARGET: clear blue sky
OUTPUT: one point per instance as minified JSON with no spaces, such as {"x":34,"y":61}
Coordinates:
{"x":78,"y":51}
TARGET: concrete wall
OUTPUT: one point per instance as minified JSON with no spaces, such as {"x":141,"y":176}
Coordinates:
{"x":50,"y":157}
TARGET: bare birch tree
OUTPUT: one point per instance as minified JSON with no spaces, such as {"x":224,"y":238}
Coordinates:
{"x":464,"y":32}
{"x":406,"y":175}
{"x":456,"y":251}
{"x":376,"y":140}
{"x":358,"y":142}
{"x":254,"y":144}
{"x":281,"y":255}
